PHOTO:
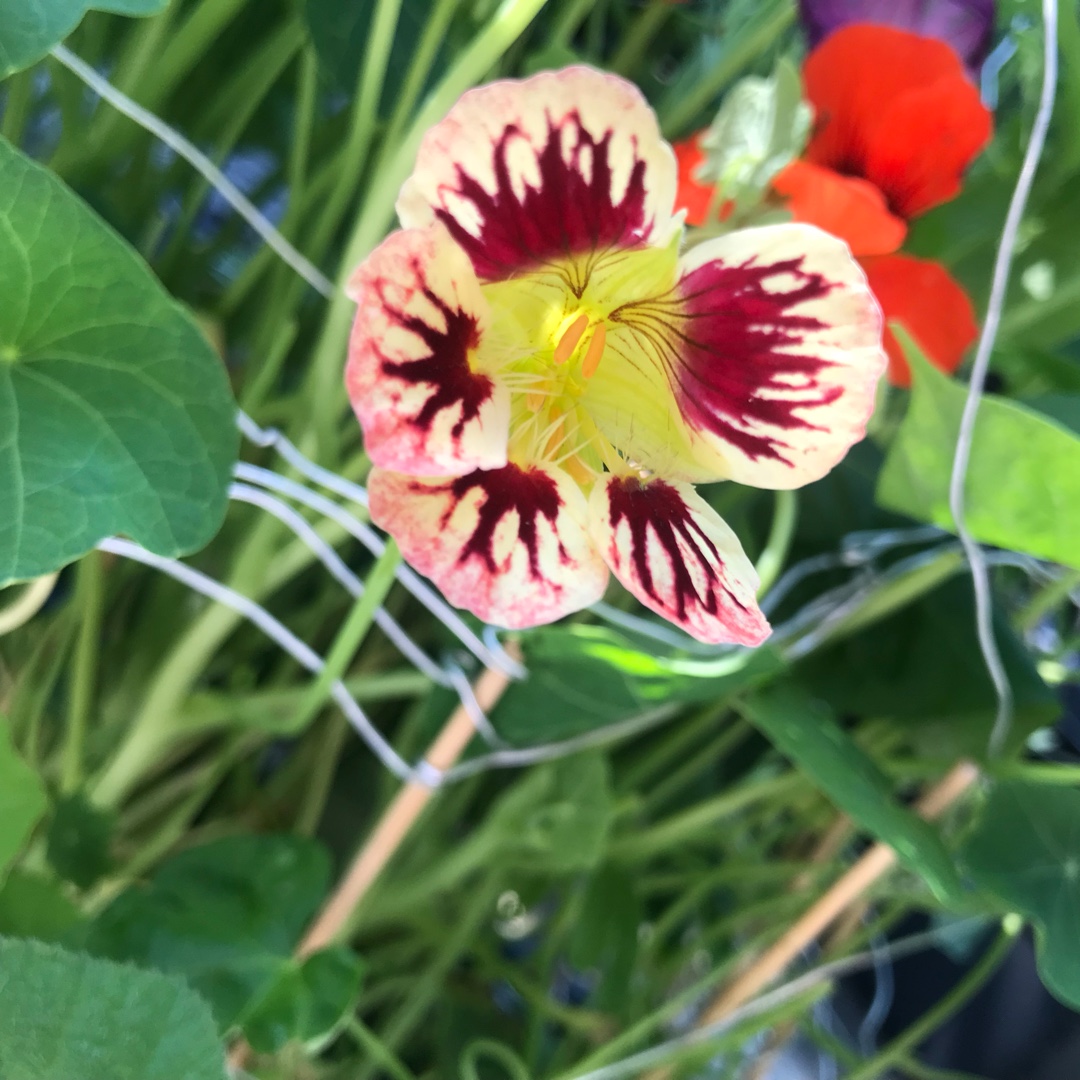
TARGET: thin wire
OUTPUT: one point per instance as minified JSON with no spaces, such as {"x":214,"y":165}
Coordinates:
{"x":342,"y":574}
{"x":532,"y":755}
{"x":271,"y":437}
{"x":202,"y":164}
{"x":460,"y":682}
{"x":1002,"y":266}
{"x":283,"y":636}
{"x":362,"y":531}
{"x":638,"y":1063}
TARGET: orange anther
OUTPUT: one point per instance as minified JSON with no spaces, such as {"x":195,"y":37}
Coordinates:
{"x":569,"y":341}
{"x":594,"y":352}
{"x":534,"y":400}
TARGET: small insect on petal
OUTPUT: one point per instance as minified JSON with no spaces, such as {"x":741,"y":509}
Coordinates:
{"x":595,"y":352}
{"x":569,"y":341}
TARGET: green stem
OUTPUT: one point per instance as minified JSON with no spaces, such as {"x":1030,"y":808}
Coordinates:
{"x":423,"y":58}
{"x":90,"y":598}
{"x":641,"y":37}
{"x":244,"y":93}
{"x":918,"y":1071}
{"x":566,"y":26}
{"x":20,"y":96}
{"x":680,"y":779}
{"x":351,"y":635}
{"x":500,"y":31}
{"x":785,"y":515}
{"x":896,"y":594}
{"x":1046,"y":599}
{"x":321,"y":777}
{"x":1018,"y":322}
{"x":675,"y":830}
{"x":379,"y":1051}
{"x":428,"y":985}
{"x":745,"y":48}
{"x":364,"y":120}
{"x":904,"y":1044}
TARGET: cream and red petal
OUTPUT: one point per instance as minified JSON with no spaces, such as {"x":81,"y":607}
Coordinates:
{"x":511,"y":545}
{"x":760,"y":366}
{"x":526,"y":171}
{"x":415,"y":373}
{"x":677,"y":556}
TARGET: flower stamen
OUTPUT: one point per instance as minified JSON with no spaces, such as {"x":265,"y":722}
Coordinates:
{"x":595,"y":352}
{"x":569,"y":341}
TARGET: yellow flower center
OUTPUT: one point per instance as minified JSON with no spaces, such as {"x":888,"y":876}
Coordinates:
{"x":552,"y":331}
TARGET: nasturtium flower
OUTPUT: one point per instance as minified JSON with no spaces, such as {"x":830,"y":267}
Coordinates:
{"x":897,"y":110}
{"x":966,"y":25}
{"x":898,"y":123}
{"x":930,"y":304}
{"x":541,"y":376}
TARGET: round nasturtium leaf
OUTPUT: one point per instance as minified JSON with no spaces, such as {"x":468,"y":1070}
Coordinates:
{"x":115,"y":413}
{"x":1025,"y":853}
{"x":30,"y":28}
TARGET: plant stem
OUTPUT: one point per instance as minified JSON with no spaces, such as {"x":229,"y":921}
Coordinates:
{"x":771,"y":562}
{"x":574,"y":14}
{"x":32,"y":600}
{"x":17,"y":104}
{"x":703,"y":817}
{"x":640,"y":37}
{"x":918,"y":1071}
{"x":351,"y":635}
{"x":89,"y":596}
{"x":749,"y":44}
{"x":500,"y":31}
{"x":378,"y":1050}
{"x":847,"y":890}
{"x":1046,"y":599}
{"x":904,"y":1044}
{"x":397,"y":821}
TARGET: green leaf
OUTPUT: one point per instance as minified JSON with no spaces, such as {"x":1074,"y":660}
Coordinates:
{"x":78,"y":841}
{"x":22,"y":799}
{"x":604,"y":940}
{"x":32,"y":906}
{"x":65,"y":1016}
{"x":805,"y":730}
{"x":307,"y":1001}
{"x":30,"y":28}
{"x":585,"y":677}
{"x":226,"y":916}
{"x":115,"y":414}
{"x":1023,"y":484}
{"x":557,"y":818}
{"x":1025,"y":852}
{"x":922,"y":667}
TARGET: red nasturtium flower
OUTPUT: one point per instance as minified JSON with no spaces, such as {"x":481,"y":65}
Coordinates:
{"x":541,"y":378}
{"x":898,"y":121}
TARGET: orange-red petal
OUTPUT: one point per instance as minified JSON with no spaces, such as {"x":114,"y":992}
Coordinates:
{"x":929,"y":303}
{"x":846,"y":206}
{"x":896,"y":109}
{"x":692,"y":196}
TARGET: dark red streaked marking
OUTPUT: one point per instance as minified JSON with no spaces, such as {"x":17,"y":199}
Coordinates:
{"x":446,"y":365}
{"x":659,"y":505}
{"x":530,"y":492}
{"x":724,"y":343}
{"x":566,"y":215}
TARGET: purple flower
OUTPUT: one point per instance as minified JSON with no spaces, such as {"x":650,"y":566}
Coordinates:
{"x":966,"y":25}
